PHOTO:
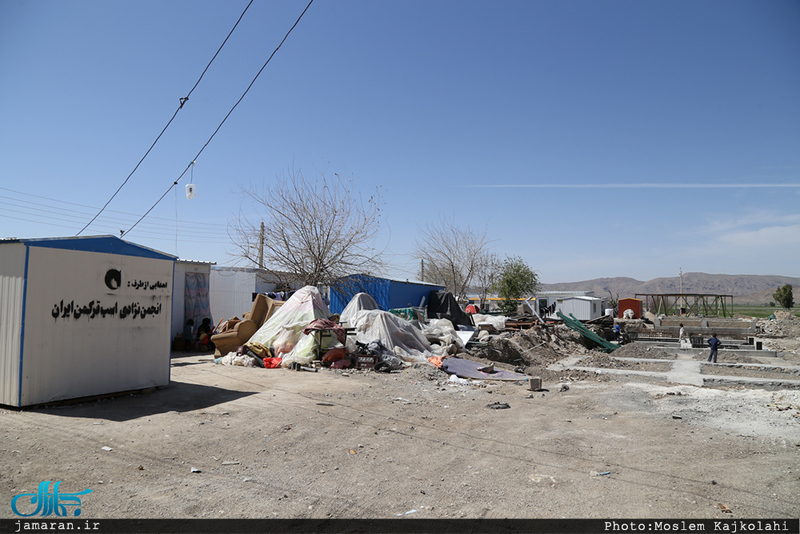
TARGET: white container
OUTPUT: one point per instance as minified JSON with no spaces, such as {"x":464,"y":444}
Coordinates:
{"x":81,"y":317}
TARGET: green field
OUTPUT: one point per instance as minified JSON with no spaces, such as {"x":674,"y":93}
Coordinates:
{"x":759,"y":311}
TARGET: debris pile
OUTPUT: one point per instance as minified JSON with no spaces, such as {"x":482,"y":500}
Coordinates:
{"x":535,"y":347}
{"x":781,"y":324}
{"x":301,"y":334}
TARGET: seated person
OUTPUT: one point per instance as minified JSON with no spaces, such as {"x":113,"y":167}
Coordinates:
{"x":204,"y":333}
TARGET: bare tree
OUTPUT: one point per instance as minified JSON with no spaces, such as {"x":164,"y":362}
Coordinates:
{"x":450,"y":255}
{"x":315,"y":230}
{"x":487,"y":272}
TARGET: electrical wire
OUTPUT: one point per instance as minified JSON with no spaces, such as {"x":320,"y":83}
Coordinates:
{"x":180,"y":107}
{"x":52,"y":210}
{"x":55,"y":212}
{"x":167,"y":222}
{"x":194,"y":159}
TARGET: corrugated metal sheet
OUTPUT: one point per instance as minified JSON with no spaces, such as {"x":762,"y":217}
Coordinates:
{"x":12,"y":288}
{"x":108,"y":244}
{"x":346,"y":289}
{"x":409,"y":294}
{"x":631,"y":304}
{"x":388,"y":293}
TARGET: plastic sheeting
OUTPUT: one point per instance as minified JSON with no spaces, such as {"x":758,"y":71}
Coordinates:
{"x":360,"y":301}
{"x":443,"y":305}
{"x":394,"y":333}
{"x":305,"y":306}
{"x":498,"y":322}
{"x":442,"y":332}
{"x":470,"y":369}
{"x":196,"y":303}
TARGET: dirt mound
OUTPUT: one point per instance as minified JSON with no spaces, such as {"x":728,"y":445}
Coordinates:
{"x":638,"y":350}
{"x":610,"y":361}
{"x":537,"y":346}
{"x":785,"y":324}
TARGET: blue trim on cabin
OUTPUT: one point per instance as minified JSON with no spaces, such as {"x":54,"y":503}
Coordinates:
{"x":22,"y":325}
{"x":108,"y":244}
{"x":171,"y":315}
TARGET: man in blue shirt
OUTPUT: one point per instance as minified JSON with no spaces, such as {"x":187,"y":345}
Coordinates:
{"x":714,"y":343}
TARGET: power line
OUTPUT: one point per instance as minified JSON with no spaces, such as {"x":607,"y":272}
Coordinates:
{"x":213,"y":227}
{"x":49,"y":213}
{"x":194,"y":159}
{"x":182,"y":102}
{"x":158,"y":235}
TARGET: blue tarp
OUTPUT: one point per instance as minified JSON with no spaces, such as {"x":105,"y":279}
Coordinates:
{"x":388,"y":294}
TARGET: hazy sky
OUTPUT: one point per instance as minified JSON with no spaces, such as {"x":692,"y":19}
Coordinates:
{"x":591,"y":138}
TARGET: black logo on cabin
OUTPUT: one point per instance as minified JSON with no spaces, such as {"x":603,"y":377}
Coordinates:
{"x":113,"y":279}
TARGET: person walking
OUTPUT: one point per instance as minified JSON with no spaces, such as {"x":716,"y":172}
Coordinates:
{"x":714,"y":343}
{"x":681,"y":334}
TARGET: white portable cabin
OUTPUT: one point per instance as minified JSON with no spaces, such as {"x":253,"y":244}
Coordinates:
{"x":583,"y":308}
{"x":82,"y":316}
{"x":233,"y":289}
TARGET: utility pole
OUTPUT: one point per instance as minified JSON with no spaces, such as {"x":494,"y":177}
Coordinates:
{"x":261,"y":247}
{"x":421,"y":270}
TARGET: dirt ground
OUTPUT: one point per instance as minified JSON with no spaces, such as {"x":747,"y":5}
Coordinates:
{"x":235,"y":442}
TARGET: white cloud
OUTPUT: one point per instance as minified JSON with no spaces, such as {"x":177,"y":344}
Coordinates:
{"x":755,"y":185}
{"x":767,"y":237}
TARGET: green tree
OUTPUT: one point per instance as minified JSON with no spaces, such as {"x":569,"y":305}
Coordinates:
{"x":516,"y":281}
{"x":784,"y":296}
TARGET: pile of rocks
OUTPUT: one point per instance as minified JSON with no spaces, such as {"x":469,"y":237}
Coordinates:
{"x":785,"y":324}
{"x":537,"y":346}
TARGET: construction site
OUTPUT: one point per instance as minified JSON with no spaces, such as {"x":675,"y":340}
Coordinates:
{"x":645,"y":428}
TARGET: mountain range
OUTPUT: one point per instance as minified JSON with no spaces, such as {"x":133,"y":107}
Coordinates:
{"x":745,"y":288}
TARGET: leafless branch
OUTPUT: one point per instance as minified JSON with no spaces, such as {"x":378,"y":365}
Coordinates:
{"x":317,"y":229}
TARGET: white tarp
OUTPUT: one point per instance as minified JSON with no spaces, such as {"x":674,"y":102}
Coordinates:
{"x":498,"y":322}
{"x":394,"y":333}
{"x":360,"y":301}
{"x":442,"y":332}
{"x":285,"y":327}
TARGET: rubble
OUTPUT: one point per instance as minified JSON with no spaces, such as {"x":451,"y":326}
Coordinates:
{"x":784,"y":324}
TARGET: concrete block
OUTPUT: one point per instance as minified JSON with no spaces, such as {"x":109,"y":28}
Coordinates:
{"x":536,"y":383}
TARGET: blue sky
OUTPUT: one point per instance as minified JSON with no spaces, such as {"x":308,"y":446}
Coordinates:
{"x":590,"y":138}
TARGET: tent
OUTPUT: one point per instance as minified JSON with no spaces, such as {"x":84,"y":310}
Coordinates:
{"x":283,"y":332}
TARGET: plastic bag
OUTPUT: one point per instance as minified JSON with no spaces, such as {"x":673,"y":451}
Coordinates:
{"x":303,"y":352}
{"x":286,"y":340}
{"x":335,"y":355}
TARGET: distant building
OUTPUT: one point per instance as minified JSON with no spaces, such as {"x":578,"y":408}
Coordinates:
{"x":583,"y":308}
